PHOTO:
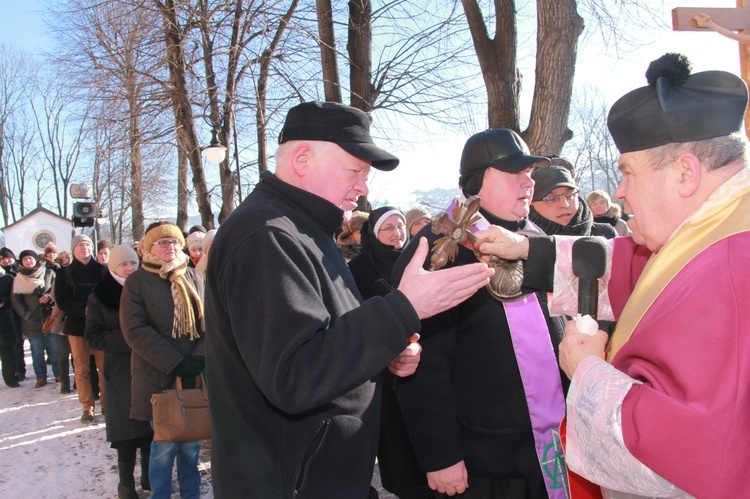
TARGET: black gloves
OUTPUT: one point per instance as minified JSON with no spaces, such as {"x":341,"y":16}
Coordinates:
{"x":190,"y":367}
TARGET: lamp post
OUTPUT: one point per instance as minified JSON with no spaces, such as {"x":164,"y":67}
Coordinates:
{"x":216,"y":151}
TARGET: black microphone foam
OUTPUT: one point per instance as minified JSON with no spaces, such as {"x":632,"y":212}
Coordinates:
{"x":589,"y":264}
{"x":589,"y":258}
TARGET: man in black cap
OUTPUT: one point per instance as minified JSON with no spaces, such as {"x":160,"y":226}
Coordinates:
{"x":292,"y":349}
{"x":558,"y":209}
{"x":666,"y":414}
{"x":483,"y":407}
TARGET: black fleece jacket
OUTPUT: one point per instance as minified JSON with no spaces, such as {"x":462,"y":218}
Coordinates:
{"x":291,"y":353}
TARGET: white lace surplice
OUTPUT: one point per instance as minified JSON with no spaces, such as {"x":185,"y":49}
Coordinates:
{"x":595,"y":446}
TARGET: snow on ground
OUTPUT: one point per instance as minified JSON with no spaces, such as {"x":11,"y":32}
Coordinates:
{"x":45,"y":451}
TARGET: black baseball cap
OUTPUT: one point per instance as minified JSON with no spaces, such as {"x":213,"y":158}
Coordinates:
{"x":546,"y":179}
{"x":345,"y":126}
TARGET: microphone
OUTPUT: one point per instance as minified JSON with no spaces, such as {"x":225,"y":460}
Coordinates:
{"x":589,"y":264}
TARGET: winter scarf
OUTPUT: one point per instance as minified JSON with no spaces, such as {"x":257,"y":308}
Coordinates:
{"x":188,"y":307}
{"x":580,"y":224}
{"x":28,"y":280}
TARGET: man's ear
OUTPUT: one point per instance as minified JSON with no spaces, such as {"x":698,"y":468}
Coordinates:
{"x":690,"y":173}
{"x":301,"y":158}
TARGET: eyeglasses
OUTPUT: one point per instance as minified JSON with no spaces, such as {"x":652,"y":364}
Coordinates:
{"x":569,"y":197}
{"x":166,"y":243}
{"x":391,"y":228}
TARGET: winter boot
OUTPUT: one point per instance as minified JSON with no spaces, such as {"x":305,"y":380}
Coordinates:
{"x":126,"y":487}
{"x":65,"y":386}
{"x":145,"y":456}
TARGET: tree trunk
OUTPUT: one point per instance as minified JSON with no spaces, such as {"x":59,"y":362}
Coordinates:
{"x":187,"y":140}
{"x":183,"y":193}
{"x":558,"y":28}
{"x":497,"y":60}
{"x":262,"y":86}
{"x":331,"y":83}
{"x":136,"y":170}
{"x":359,"y":47}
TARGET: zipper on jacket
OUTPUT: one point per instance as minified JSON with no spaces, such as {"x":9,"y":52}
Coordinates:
{"x":310,"y":451}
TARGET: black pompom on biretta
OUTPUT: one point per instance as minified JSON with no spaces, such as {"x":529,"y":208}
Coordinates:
{"x":677,"y":106}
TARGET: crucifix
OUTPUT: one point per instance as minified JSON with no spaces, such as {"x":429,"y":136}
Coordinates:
{"x":730,"y":22}
{"x":456,"y":228}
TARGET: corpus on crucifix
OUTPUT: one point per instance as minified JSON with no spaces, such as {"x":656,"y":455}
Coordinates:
{"x":733,"y":23}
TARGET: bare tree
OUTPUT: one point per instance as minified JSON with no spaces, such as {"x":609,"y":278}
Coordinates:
{"x":592,"y":150}
{"x":61,"y":127}
{"x":12,"y":89}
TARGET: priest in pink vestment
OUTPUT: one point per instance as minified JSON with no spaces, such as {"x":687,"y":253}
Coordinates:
{"x":665,"y":412}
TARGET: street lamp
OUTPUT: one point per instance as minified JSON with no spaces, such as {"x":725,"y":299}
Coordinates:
{"x":215,"y":152}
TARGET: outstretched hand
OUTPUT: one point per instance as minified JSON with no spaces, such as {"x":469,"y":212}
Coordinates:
{"x":433,"y":292}
{"x":502,"y":243}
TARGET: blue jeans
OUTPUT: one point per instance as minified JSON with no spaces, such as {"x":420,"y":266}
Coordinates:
{"x":38,"y":344}
{"x":163,"y":455}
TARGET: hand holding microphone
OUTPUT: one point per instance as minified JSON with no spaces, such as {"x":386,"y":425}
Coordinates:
{"x":589,"y":264}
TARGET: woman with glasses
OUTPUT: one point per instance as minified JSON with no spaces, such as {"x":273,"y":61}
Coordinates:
{"x":161,"y":316}
{"x":558,"y":209}
{"x":383,"y":236}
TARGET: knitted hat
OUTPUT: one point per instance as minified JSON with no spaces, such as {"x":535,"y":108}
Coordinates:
{"x":30,"y":253}
{"x":208,"y":239}
{"x":81,"y":238}
{"x":380,"y":215}
{"x":677,"y":106}
{"x":50,"y":248}
{"x":195,"y":239}
{"x":119,"y":254}
{"x":7,"y":253}
{"x":415,"y":215}
{"x":161,"y":231}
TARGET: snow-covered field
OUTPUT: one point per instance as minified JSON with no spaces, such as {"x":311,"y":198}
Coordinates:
{"x":45,"y":452}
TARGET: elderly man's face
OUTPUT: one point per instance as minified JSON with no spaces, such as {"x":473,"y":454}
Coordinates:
{"x":650,"y":194}
{"x":337,"y":176}
{"x":507,"y":195}
{"x":560,"y":205}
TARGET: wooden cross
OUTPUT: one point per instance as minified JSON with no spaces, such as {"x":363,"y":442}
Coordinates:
{"x":733,"y":19}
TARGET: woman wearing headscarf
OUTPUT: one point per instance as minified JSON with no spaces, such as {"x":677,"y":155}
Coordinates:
{"x":103,"y":333}
{"x":384,"y":235}
{"x":161,"y":315}
{"x":32,"y":301}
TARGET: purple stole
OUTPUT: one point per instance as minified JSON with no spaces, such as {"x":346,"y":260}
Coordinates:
{"x":541,"y":380}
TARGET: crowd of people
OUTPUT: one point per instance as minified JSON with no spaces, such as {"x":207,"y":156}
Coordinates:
{"x":326,"y":342}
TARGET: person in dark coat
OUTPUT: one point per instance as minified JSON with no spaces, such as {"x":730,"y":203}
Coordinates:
{"x":161,"y":316}
{"x":558,"y":209}
{"x":384,"y":234}
{"x":32,"y":301}
{"x":103,"y":333}
{"x":485,"y":404}
{"x":7,"y":332}
{"x":9,"y":264}
{"x":291,"y":349}
{"x":73,"y":285}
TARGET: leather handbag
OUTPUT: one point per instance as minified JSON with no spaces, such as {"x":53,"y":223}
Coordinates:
{"x":181,"y":414}
{"x":54,"y":321}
